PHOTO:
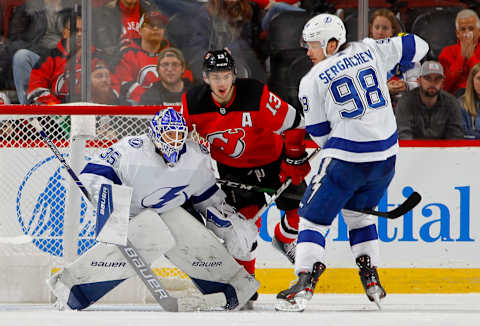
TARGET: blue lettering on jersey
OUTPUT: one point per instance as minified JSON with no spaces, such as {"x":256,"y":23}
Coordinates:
{"x":331,"y":72}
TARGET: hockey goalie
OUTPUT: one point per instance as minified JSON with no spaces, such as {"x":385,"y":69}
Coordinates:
{"x":160,"y":171}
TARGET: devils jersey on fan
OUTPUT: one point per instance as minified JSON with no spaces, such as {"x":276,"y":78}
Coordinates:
{"x":247,"y":131}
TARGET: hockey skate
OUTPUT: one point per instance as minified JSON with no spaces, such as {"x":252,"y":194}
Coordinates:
{"x":295,"y":298}
{"x":370,"y":281}
{"x":287,"y":249}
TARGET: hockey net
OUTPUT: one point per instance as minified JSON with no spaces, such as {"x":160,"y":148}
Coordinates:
{"x":41,"y":226}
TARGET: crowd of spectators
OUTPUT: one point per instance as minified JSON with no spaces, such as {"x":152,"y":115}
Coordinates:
{"x":149,"y":52}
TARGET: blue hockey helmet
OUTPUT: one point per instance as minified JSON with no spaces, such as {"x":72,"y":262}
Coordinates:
{"x":168,"y":131}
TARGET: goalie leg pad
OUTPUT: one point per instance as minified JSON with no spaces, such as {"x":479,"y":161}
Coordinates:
{"x":199,"y":254}
{"x":103,"y":267}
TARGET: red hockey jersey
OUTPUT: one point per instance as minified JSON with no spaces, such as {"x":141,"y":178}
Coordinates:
{"x":247,"y":131}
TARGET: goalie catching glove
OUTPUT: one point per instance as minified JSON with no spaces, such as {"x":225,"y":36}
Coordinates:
{"x":295,"y":164}
{"x":238,"y":234}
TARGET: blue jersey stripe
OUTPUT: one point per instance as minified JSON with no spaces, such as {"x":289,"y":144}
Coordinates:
{"x":319,"y":129}
{"x":311,"y":236}
{"x":361,"y":147}
{"x":364,"y":234}
{"x":408,"y":49}
{"x":205,"y":195}
{"x":102,"y":170}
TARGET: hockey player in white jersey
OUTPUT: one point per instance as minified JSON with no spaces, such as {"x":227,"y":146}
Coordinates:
{"x":164,"y":171}
{"x":348,"y":113}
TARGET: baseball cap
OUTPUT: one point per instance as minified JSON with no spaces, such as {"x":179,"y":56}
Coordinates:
{"x":431,"y":67}
{"x":154,"y":18}
{"x":171,"y":52}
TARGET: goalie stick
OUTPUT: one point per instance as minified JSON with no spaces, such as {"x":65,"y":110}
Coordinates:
{"x":131,"y":254}
{"x":402,"y":209}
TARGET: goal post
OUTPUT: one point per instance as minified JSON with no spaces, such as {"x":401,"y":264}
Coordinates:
{"x":44,"y":222}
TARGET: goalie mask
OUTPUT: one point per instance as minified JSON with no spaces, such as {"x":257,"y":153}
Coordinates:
{"x":322,"y":28}
{"x":168,"y":131}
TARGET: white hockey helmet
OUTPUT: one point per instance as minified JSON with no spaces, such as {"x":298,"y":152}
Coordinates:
{"x":323,"y":28}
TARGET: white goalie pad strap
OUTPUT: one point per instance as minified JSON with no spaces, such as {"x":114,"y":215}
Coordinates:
{"x":199,"y":254}
{"x":238,"y":234}
{"x":113,"y":211}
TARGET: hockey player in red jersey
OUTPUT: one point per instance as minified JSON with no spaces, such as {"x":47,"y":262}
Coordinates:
{"x":255,"y":137}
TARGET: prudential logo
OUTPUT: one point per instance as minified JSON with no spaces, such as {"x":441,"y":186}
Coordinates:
{"x":40,"y":207}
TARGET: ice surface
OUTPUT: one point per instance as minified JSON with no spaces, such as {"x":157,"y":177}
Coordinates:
{"x":323,"y":310}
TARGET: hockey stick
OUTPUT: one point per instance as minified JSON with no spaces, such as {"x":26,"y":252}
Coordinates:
{"x":404,"y":207}
{"x":280,"y":190}
{"x":131,"y":254}
{"x":401,"y":210}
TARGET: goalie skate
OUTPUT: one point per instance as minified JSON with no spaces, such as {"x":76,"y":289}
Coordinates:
{"x":295,"y":298}
{"x":370,"y":280}
{"x":287,"y":249}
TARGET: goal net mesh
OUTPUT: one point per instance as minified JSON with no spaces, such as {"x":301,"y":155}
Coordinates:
{"x":35,"y":194}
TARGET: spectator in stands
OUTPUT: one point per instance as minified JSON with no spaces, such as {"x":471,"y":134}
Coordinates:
{"x":220,"y":24}
{"x":458,"y":59}
{"x":172,"y":7}
{"x":470,"y":102}
{"x":50,"y":80}
{"x":4,"y":99}
{"x":36,"y":29}
{"x":274,"y":7}
{"x":428,"y":112}
{"x":7,"y":8}
{"x":137,"y":69}
{"x":117,"y":20}
{"x":171,"y":86}
{"x":101,"y":84}
{"x":384,"y":24}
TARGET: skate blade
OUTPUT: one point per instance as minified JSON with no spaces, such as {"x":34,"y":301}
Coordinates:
{"x":376,"y":299}
{"x":297,"y":306}
{"x":206,"y":302}
{"x":374,"y":295}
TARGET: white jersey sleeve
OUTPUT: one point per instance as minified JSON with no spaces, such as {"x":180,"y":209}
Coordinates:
{"x":345,"y":98}
{"x":398,"y":50}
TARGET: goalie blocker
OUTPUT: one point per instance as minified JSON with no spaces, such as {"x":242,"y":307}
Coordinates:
{"x":195,"y":251}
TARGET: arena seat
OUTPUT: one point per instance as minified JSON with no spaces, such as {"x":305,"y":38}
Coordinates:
{"x":437,"y":27}
{"x":285,"y":34}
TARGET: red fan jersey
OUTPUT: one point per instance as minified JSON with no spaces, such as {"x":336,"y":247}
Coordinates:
{"x":137,"y":70}
{"x":247,"y":131}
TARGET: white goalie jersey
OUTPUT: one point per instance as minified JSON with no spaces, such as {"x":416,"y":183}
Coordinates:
{"x":347,"y":106}
{"x":134,"y":162}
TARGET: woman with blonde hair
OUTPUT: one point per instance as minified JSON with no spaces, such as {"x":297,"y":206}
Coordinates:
{"x":383,"y":24}
{"x":470,"y":102}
